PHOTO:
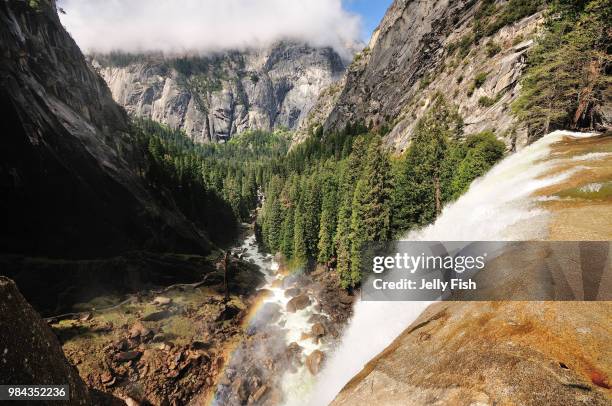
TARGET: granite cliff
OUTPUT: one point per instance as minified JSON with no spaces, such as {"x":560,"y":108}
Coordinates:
{"x":69,"y":187}
{"x":213,"y":97}
{"x":473,"y":52}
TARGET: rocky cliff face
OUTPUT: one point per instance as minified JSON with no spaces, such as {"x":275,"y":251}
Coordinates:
{"x":488,"y":353}
{"x":214,"y":97}
{"x":67,"y":187}
{"x":425,"y":47}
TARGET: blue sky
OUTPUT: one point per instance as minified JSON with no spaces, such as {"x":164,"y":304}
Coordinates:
{"x":371,"y":12}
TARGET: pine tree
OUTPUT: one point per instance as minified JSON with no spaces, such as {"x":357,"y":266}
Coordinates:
{"x":327,"y":227}
{"x":290,"y":197}
{"x":371,"y":206}
{"x":311,"y":215}
{"x":418,"y":192}
{"x":300,"y":249}
{"x":273,"y":215}
{"x":565,"y":80}
{"x":343,"y":246}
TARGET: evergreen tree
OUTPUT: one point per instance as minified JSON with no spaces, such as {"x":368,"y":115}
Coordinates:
{"x":273,"y":216}
{"x":482,"y":151}
{"x":311,"y":215}
{"x":343,"y":246}
{"x":566,"y":79}
{"x":300,"y":249}
{"x":327,"y":227}
{"x":371,"y":206}
{"x":418,"y":192}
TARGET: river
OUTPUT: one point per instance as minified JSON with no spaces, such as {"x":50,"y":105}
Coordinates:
{"x":273,"y":376}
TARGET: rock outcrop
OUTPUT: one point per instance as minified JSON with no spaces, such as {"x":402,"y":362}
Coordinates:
{"x":67,"y":187}
{"x":413,"y":55}
{"x":30,"y":354}
{"x":487,"y":353}
{"x":214,"y":97}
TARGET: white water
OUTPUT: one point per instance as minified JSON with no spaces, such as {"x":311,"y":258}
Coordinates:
{"x":297,"y":385}
{"x":499,"y":206}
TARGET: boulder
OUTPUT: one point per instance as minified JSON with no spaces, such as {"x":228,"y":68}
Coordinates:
{"x":157,"y":316}
{"x":294,"y":353}
{"x":258,"y":394}
{"x":200,"y":345}
{"x":317,"y":330}
{"x":314,"y":361}
{"x":139,"y":330}
{"x":298,"y":303}
{"x":127,"y":356}
{"x":86,"y":317}
{"x":162,"y":301}
{"x":228,"y":313}
{"x":293,"y":292}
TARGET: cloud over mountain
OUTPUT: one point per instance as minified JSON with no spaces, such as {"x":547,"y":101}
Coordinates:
{"x":206,"y":25}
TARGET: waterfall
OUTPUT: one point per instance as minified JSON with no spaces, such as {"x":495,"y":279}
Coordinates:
{"x":499,"y":206}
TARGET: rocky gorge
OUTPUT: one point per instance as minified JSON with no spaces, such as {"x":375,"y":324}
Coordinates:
{"x":144,"y":304}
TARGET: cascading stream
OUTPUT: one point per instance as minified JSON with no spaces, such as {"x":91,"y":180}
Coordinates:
{"x":288,"y":327}
{"x":499,"y":206}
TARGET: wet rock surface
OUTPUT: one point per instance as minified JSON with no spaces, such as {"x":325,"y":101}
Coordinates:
{"x":542,"y":353}
{"x":298,"y":303}
{"x":314,"y":361}
{"x":284,"y":342}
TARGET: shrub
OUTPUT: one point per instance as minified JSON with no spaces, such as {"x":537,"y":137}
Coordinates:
{"x":471,"y":89}
{"x":486,"y":101}
{"x":480,"y":79}
{"x":493,"y":48}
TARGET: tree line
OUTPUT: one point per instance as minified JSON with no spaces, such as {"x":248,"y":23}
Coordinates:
{"x":331,"y":195}
{"x":213,"y":185}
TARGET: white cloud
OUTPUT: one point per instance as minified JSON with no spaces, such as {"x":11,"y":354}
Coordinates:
{"x":206,"y":25}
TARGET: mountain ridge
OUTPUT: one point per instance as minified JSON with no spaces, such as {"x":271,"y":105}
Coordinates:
{"x":213,"y":97}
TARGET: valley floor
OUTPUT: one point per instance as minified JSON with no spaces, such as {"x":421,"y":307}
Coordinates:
{"x":178,"y":345}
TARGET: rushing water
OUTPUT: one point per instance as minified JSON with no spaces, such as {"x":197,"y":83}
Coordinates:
{"x":294,"y":327}
{"x":499,"y":206}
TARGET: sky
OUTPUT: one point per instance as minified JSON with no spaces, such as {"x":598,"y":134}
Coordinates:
{"x":213,"y":25}
{"x":370,"y":11}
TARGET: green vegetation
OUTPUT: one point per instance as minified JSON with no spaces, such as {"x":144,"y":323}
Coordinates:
{"x":490,"y":18}
{"x":333,"y":193}
{"x":493,"y":48}
{"x":35,"y":4}
{"x":425,"y":81}
{"x":486,"y":101}
{"x":480,"y":79}
{"x":213,"y":185}
{"x":568,"y":70}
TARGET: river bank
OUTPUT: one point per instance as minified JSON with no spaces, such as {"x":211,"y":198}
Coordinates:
{"x":181,"y":344}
